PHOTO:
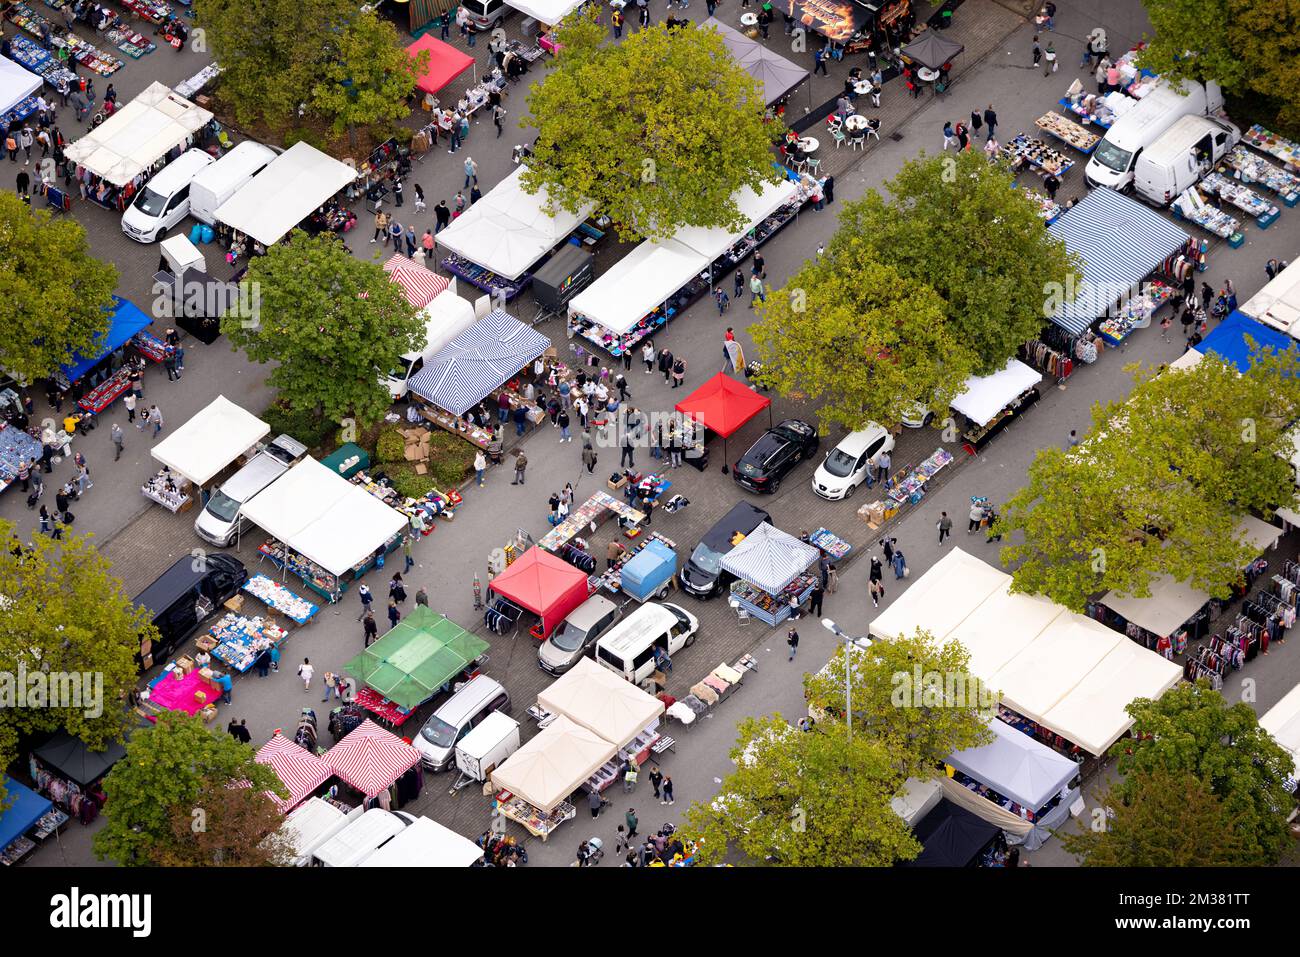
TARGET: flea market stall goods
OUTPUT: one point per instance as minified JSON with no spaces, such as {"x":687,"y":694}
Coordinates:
{"x":772,"y":574}
{"x":659,"y":280}
{"x":19,"y":448}
{"x":476,"y":368}
{"x":70,"y":774}
{"x":565,"y":541}
{"x":115,"y":158}
{"x":18,"y":87}
{"x":497,"y":243}
{"x":414,"y":662}
{"x":540,"y":584}
{"x":991,"y":403}
{"x":27,"y":820}
{"x":323,"y":528}
{"x":34,"y":60}
{"x":96,"y":381}
{"x":199,"y":451}
{"x":67,"y":45}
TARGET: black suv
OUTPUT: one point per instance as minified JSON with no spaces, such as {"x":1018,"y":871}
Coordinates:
{"x":777,"y":451}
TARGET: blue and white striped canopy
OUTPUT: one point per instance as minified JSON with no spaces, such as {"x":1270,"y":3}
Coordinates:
{"x":769,"y":558}
{"x":1119,"y":242}
{"x":482,"y":358}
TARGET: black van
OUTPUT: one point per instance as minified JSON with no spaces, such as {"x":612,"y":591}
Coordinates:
{"x":185,"y":594}
{"x":702,"y":575}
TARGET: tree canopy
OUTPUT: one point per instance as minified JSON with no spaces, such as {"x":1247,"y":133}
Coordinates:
{"x":1192,"y":730}
{"x":55,"y":292}
{"x":804,"y":799}
{"x":1159,"y":485}
{"x":330,"y":322}
{"x":955,"y":224}
{"x":850,"y":331}
{"x":168,"y":769}
{"x":914,"y":695}
{"x":239,"y":829}
{"x":659,"y":130}
{"x":64,"y":615}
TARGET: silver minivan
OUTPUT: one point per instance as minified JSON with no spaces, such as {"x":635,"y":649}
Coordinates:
{"x":437,"y":740}
{"x":578,"y":632}
{"x":486,"y":15}
{"x":222,"y":519}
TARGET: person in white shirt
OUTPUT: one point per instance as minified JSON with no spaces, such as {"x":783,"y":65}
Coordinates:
{"x":305,"y":671}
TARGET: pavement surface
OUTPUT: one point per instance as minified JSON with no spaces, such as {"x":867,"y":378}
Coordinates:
{"x":141,"y":539}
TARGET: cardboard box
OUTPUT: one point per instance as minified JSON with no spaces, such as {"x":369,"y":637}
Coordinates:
{"x":421,"y":468}
{"x":235,"y":603}
{"x":615,"y":486}
{"x":206,"y":642}
{"x":207,"y":675}
{"x":184,"y":664}
{"x":208,"y":714}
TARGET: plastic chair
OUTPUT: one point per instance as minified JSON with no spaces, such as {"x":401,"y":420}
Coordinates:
{"x":858,"y":142}
{"x":873,"y":131}
{"x":813,"y":166}
{"x":839,"y":135}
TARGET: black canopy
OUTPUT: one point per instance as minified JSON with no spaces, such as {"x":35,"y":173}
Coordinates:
{"x":71,"y":758}
{"x":952,"y":837}
{"x":932,"y":50}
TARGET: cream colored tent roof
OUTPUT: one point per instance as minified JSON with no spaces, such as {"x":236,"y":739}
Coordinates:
{"x":602,"y":702}
{"x":550,"y":767}
{"x":212,"y":439}
{"x":138,"y":135}
{"x":942,"y":598}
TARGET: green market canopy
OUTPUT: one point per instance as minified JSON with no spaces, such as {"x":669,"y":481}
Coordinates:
{"x":415,"y":659}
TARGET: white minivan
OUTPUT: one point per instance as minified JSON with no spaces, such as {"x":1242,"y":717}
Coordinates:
{"x":222,"y":518}
{"x":165,"y":200}
{"x":457,"y":717}
{"x":227,"y":176}
{"x":628,"y":648}
{"x":1186,"y":152}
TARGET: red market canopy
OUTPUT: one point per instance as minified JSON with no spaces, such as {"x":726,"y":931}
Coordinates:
{"x":547,"y":586}
{"x":370,"y":758}
{"x":445,"y":63}
{"x":300,"y":770}
{"x":419,"y":284}
{"x":723,"y":404}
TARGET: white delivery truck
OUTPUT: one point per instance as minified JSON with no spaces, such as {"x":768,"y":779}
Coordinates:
{"x":1181,"y":156}
{"x":309,"y":826}
{"x":1112,"y":162}
{"x":445,"y":318}
{"x":365,"y":833}
{"x":480,"y":751}
{"x":227,"y":176}
{"x":426,"y":843}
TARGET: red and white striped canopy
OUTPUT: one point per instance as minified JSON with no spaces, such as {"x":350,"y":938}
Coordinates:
{"x":300,"y":770}
{"x":370,"y":758}
{"x":419,"y":284}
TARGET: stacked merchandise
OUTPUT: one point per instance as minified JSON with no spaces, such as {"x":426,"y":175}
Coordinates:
{"x":20,"y":112}
{"x":1024,"y":150}
{"x":911,"y":486}
{"x":22,"y":15}
{"x":84,"y":807}
{"x":167,"y":491}
{"x":382,"y":707}
{"x":834,"y":547}
{"x":241,"y":639}
{"x":188,"y":88}
{"x":1193,"y":207}
{"x":16,"y":447}
{"x":316,"y":577}
{"x":719,"y":685}
{"x":35,"y":58}
{"x":155,"y":11}
{"x":1054,"y":124}
{"x":773,"y":605}
{"x":1244,"y":198}
{"x":106,"y":393}
{"x":500,"y":288}
{"x":150,"y":346}
{"x":1136,"y":311}
{"x":278,"y":598}
{"x":1278,"y":147}
{"x":432,"y":505}
{"x":1250,"y":168}
{"x":537,"y":821}
{"x":1048,"y":209}
{"x":1095,"y":108}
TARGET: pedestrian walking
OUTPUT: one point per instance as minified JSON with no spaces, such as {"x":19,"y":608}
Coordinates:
{"x":656,"y":780}
{"x":156,"y":420}
{"x":949,"y":137}
{"x":370,"y":628}
{"x":363,"y":592}
{"x":756,"y":292}
{"x":990,"y":122}
{"x":1038,"y":52}
{"x":426,"y":243}
{"x":441,"y":216}
{"x":668,"y":789}
{"x":46,"y":524}
{"x":1073,"y":439}
{"x":963,"y":137}
{"x":944,"y":526}
{"x":899,"y":562}
{"x":832,"y":579}
{"x":1049,"y":60}
{"x":394,"y":616}
{"x":629,"y":777}
{"x":815,"y":599}
{"x":521,"y":463}
{"x":419,"y":198}
{"x":422,"y":597}
{"x":397,"y":193}
{"x":630,"y":819}
{"x":471,"y":172}
{"x":381,"y":227}
{"x":330,"y":682}
{"x":406,"y":553}
{"x":679,"y":371}
{"x":666,"y":360}
{"x":792,"y":639}
{"x":876,"y":581}
{"x":1051,"y":184}
{"x":411,"y":243}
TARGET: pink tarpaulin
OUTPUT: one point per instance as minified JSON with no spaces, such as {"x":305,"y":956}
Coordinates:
{"x":445,"y":63}
{"x":178,"y":695}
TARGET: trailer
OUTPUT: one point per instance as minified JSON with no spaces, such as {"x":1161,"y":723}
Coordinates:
{"x":650,"y":572}
{"x":483,"y":749}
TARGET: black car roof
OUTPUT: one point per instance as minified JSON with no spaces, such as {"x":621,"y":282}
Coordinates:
{"x":743,"y":518}
{"x":178,"y":580}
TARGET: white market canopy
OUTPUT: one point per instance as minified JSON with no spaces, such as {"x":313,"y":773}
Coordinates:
{"x":1283,"y":722}
{"x":550,"y":767}
{"x":292,"y":187}
{"x":1171,"y":603}
{"x":549,"y":12}
{"x":776,"y":76}
{"x":509,"y":229}
{"x":316,"y":513}
{"x":769,"y":558}
{"x":754,"y":206}
{"x":1015,"y":765}
{"x":138,"y":135}
{"x":1278,"y":303}
{"x":983,"y":397}
{"x":16,"y":84}
{"x":212,"y":439}
{"x":425,"y":843}
{"x":602,"y":702}
{"x":638,"y":284}
{"x":1067,"y":672}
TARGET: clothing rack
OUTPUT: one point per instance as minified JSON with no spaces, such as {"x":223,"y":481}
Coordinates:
{"x":502,"y":616}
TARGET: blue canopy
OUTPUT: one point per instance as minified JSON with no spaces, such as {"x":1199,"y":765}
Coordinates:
{"x":19,"y":816}
{"x":484,"y":357}
{"x":126,"y":320}
{"x":1228,"y":340}
{"x":1120,"y":242}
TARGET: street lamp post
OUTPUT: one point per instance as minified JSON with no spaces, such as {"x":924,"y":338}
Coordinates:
{"x":848,"y":640}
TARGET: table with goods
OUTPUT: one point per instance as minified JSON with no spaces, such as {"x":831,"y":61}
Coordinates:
{"x":279,"y":599}
{"x":831,"y":545}
{"x":1278,"y":147}
{"x":1136,"y":311}
{"x":16,"y":447}
{"x":532,"y":819}
{"x":772,"y":609}
{"x":1192,"y":207}
{"x":1242,"y":197}
{"x":433,"y":504}
{"x":593,"y":511}
{"x":241,"y":639}
{"x":911,"y":487}
{"x":1249,"y":168}
{"x":1067,"y":131}
{"x":318,"y":579}
{"x":1024,"y":150}
{"x":384,"y":709}
{"x":1048,"y":209}
{"x":169,"y":490}
{"x":23,"y":16}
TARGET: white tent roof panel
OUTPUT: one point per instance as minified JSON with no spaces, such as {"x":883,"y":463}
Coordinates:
{"x":550,"y":767}
{"x":602,"y":702}
{"x":1278,"y":303}
{"x":549,"y":12}
{"x":138,"y":135}
{"x":983,"y":397}
{"x":16,"y":84}
{"x":1002,"y":627}
{"x":1035,"y":680}
{"x":290,"y":189}
{"x":754,"y":206}
{"x":529,"y":209}
{"x":425,"y":843}
{"x":1282,"y":721}
{"x":638,"y":284}
{"x":1016,"y":765}
{"x":212,"y":439}
{"x":942,"y":598}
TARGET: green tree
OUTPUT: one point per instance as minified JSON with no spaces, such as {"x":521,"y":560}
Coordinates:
{"x":330,"y":322}
{"x":62,"y":614}
{"x":1159,"y":485}
{"x":1161,"y":818}
{"x":804,"y":799}
{"x":54,"y":291}
{"x":954,"y":223}
{"x":913,"y":695}
{"x":368,"y":81}
{"x":853,"y":333}
{"x":241,"y":829}
{"x":1192,"y":730}
{"x":659,"y":130}
{"x":1248,"y":46}
{"x":167,"y":769}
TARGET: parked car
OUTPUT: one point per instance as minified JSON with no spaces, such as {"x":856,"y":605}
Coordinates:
{"x":777,"y":451}
{"x":851,"y":462}
{"x":577,"y":633}
{"x":917,"y":415}
{"x":702,"y":575}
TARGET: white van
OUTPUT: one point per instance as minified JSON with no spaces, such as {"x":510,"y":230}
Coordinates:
{"x":362,"y":836}
{"x":628,"y":648}
{"x":437,"y":740}
{"x":227,"y":176}
{"x":445,"y":318}
{"x":222,"y":518}
{"x":1112,"y":162}
{"x":1186,"y":152}
{"x":165,"y":199}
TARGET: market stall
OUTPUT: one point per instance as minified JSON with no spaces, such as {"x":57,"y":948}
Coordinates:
{"x":182,"y":687}
{"x":102,"y":377}
{"x":951,"y":836}
{"x":26,"y":819}
{"x":724,"y":405}
{"x":776,"y":76}
{"x":990,"y":403}
{"x":444,"y":65}
{"x":1277,"y":305}
{"x":420,"y":285}
{"x":1282,"y":721}
{"x":414,"y":661}
{"x":17,"y":86}
{"x":856,"y":24}
{"x":1192,"y":207}
{"x":293,"y":186}
{"x":16,"y":447}
{"x":1286,"y":151}
{"x":590,"y":514}
{"x":68,"y":772}
{"x":1250,"y":168}
{"x":241,"y":639}
{"x":297,"y":768}
{"x":534,"y":784}
{"x":1233,"y":193}
{"x":200,"y":449}
{"x":771,"y":569}
{"x":540,"y":583}
{"x":372,"y":760}
{"x":59,"y":38}
{"x":1229,"y":340}
{"x":324,"y":529}
{"x":279,"y":599}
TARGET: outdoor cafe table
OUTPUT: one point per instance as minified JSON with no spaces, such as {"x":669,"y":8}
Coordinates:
{"x":856,"y":123}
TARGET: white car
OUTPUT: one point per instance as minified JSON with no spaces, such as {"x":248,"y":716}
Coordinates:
{"x":916,"y":416}
{"x":851,"y":462}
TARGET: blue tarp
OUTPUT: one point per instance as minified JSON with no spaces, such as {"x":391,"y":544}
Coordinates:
{"x":19,"y":816}
{"x":126,"y":320}
{"x":1228,"y":340}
